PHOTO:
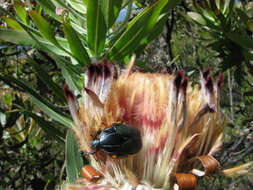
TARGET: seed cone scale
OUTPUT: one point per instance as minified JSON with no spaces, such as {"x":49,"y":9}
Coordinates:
{"x":177,"y":120}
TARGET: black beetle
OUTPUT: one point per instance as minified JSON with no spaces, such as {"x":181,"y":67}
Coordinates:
{"x":118,"y":141}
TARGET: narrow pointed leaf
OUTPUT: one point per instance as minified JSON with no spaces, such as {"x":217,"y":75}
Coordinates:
{"x":157,"y":29}
{"x":12,"y":23}
{"x":17,"y":37}
{"x":76,"y":45}
{"x":65,"y":121}
{"x":73,"y":158}
{"x":68,"y":73}
{"x":197,"y":18}
{"x":96,"y":27}
{"x":138,"y":29}
{"x":111,"y":10}
{"x":22,"y":38}
{"x":20,"y":11}
{"x":44,"y":27}
{"x":78,"y":5}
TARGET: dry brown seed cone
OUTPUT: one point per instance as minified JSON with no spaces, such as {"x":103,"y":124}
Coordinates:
{"x":177,"y":121}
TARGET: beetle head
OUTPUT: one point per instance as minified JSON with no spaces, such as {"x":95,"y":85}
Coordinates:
{"x":95,"y":144}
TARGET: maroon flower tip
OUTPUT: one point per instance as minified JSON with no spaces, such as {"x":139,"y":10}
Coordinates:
{"x":206,"y":73}
{"x":178,"y":79}
{"x":209,"y":84}
{"x":211,"y":108}
{"x":68,"y":93}
{"x":94,"y":97}
{"x":101,"y":70}
{"x":184,"y":84}
{"x":220,"y":80}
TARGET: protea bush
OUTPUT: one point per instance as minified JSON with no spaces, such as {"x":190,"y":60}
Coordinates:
{"x":180,"y":123}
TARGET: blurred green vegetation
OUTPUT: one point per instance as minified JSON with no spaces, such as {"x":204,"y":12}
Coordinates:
{"x":34,"y":66}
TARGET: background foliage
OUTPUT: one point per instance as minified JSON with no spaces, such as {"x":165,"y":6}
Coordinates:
{"x":45,"y":44}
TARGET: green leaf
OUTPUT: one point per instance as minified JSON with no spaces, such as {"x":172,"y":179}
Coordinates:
{"x":46,"y":79}
{"x":96,"y":27}
{"x":22,"y":38}
{"x":20,"y":11}
{"x":138,"y":29}
{"x":51,"y":113}
{"x":78,"y":5}
{"x":12,"y":23}
{"x":158,"y":28}
{"x":69,"y":74}
{"x":76,"y":45}
{"x":44,"y":27}
{"x":74,"y":161}
{"x":38,"y":100}
{"x":197,"y":18}
{"x":111,"y":10}
{"x":17,"y":37}
{"x":46,"y":30}
{"x":47,"y":127}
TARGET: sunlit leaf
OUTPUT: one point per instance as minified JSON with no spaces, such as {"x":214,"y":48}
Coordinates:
{"x":197,"y":18}
{"x":75,"y":44}
{"x":137,"y":30}
{"x":69,"y":74}
{"x":96,"y":27}
{"x":20,"y":11}
{"x":78,"y":5}
{"x":158,"y":28}
{"x":12,"y":23}
{"x":65,"y":121}
{"x":111,"y":10}
{"x":44,"y":27}
{"x":22,"y":38}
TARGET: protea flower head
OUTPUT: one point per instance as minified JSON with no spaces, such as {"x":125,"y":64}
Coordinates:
{"x":181,"y":126}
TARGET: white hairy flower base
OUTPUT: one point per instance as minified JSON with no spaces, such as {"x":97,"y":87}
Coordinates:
{"x":104,"y":186}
